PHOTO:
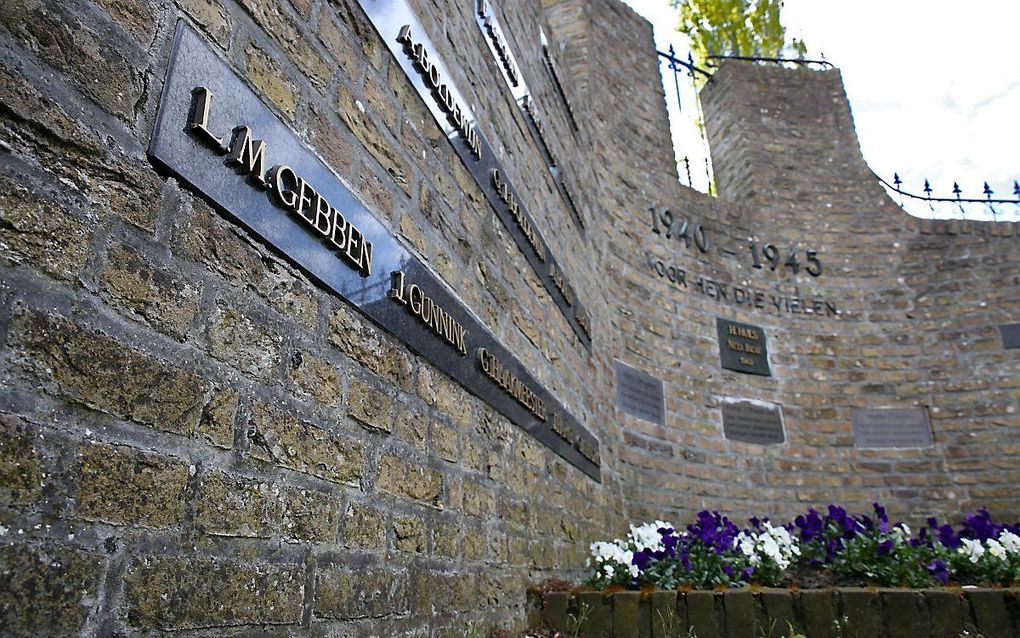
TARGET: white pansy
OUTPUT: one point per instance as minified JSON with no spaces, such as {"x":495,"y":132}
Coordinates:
{"x":1010,"y":542}
{"x":996,"y":549}
{"x":774,"y":543}
{"x":647,"y":536}
{"x":973,"y":549}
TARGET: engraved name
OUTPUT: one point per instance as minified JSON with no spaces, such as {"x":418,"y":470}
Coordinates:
{"x":498,"y":42}
{"x":430,"y":74}
{"x":286,"y":189}
{"x":428,"y":311}
{"x":513,"y":386}
{"x":508,"y":198}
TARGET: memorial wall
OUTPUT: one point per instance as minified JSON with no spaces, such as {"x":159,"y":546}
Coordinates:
{"x":359,"y":317}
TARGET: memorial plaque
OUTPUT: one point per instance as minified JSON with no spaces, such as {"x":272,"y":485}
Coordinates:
{"x":1010,"y":335}
{"x":753,"y":421}
{"x":891,"y":428}
{"x":218,"y":138}
{"x":742,"y":347}
{"x":639,"y":394}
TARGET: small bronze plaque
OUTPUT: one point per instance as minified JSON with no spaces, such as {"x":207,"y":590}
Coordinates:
{"x":753,"y":421}
{"x":891,"y":427}
{"x":639,"y":394}
{"x":742,"y":347}
{"x":1010,"y":335}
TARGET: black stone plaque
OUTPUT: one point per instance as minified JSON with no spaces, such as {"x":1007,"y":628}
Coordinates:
{"x":891,"y":427}
{"x":742,"y":347}
{"x":458,"y":344}
{"x":639,"y":394}
{"x":394,"y":18}
{"x":1010,"y":335}
{"x":753,"y":421}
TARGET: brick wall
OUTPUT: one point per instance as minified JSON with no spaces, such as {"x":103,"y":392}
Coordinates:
{"x":198,"y":439}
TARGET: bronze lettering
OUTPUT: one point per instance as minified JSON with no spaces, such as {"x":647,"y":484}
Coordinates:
{"x":305,"y":197}
{"x":322,"y":215}
{"x":248,"y":155}
{"x":338,"y":238}
{"x":282,"y":182}
{"x":198,"y":118}
{"x":428,"y":311}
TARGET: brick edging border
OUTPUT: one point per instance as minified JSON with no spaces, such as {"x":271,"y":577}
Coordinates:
{"x":767,"y":613}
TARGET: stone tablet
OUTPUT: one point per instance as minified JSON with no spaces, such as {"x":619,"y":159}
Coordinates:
{"x":1010,"y":335}
{"x":753,"y":421}
{"x":742,"y":347}
{"x":891,"y":428}
{"x":639,"y":394}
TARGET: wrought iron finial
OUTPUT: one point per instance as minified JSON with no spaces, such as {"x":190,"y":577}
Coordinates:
{"x":1016,"y":190}
{"x":896,"y":180}
{"x":988,"y":191}
{"x":956,"y":190}
{"x":927,"y":189}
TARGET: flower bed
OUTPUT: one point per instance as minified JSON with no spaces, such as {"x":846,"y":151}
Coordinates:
{"x":813,"y":550}
{"x":844,"y":576}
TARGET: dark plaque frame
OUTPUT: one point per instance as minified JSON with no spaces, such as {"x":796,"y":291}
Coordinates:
{"x":176,"y":151}
{"x":640,"y":394}
{"x":734,"y":333}
{"x":872,"y":428}
{"x":1010,"y":335}
{"x":750,"y":422}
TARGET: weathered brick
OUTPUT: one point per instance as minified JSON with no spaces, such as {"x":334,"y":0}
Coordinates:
{"x":309,"y":515}
{"x":370,"y":406}
{"x":364,"y":527}
{"x":280,"y":438}
{"x":366,"y":345}
{"x":445,"y":441}
{"x":216,"y":424}
{"x":398,"y":477}
{"x":446,"y":537}
{"x":411,"y":424}
{"x":125,"y":486}
{"x":54,"y":34}
{"x":46,"y":591}
{"x":183,"y":593}
{"x":316,"y":377}
{"x":162,"y":299}
{"x":354,"y":114}
{"x":21,"y":471}
{"x":272,"y":17}
{"x":211,"y":17}
{"x":137,"y":18}
{"x":236,"y":506}
{"x":267,"y":78}
{"x":99,"y":372}
{"x":409,"y":532}
{"x":365,"y":593}
{"x":36,"y":231}
{"x":327,"y":140}
{"x":243,"y":341}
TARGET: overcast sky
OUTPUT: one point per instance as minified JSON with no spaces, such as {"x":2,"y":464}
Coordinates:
{"x":934,"y":86}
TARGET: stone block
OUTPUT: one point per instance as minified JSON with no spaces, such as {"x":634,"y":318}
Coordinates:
{"x":278,"y":437}
{"x":21,"y":469}
{"x":370,"y":406}
{"x":777,"y":610}
{"x":216,"y":424}
{"x":818,"y":613}
{"x":236,"y":506}
{"x":740,"y":611}
{"x":409,"y":534}
{"x":125,"y":486}
{"x":317,"y":378}
{"x":905,"y":613}
{"x":364,"y":527}
{"x":344,"y":594}
{"x":137,"y":18}
{"x":445,"y":441}
{"x":243,"y":341}
{"x":173,"y":593}
{"x":411,"y":424}
{"x":991,"y":613}
{"x":211,"y":18}
{"x":702,"y":615}
{"x":162,"y":299}
{"x":862,"y":610}
{"x":400,"y":478}
{"x":269,"y":80}
{"x":309,"y":515}
{"x":366,"y":345}
{"x":95,"y":370}
{"x":627,"y":614}
{"x":47,"y":590}
{"x":595,"y":609}
{"x":946,"y":610}
{"x":39,"y":233}
{"x":55,"y":35}
{"x":664,"y":621}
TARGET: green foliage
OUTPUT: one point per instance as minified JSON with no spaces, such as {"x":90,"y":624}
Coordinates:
{"x":885,"y":559}
{"x":734,"y":27}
